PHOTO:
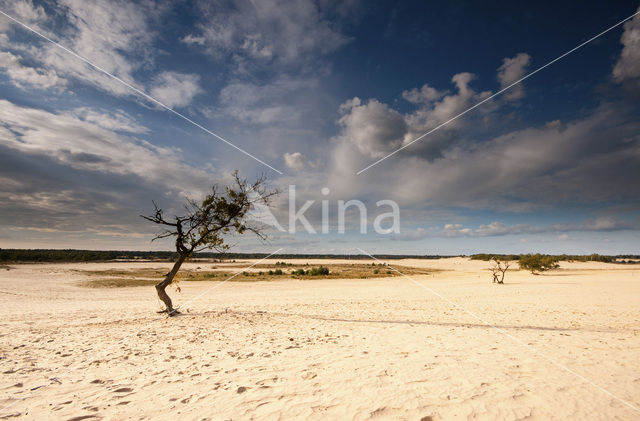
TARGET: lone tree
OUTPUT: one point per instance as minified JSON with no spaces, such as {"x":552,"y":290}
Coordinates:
{"x":538,"y":262}
{"x":499,"y":269}
{"x":204,"y":225}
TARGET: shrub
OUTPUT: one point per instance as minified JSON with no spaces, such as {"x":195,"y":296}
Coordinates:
{"x":538,"y":262}
{"x":277,"y":272}
{"x":321,"y":270}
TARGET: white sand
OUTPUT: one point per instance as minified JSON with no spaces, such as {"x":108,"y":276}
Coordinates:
{"x":324,"y":349}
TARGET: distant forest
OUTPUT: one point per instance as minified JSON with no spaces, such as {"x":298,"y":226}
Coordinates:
{"x":626,"y":258}
{"x":56,"y":255}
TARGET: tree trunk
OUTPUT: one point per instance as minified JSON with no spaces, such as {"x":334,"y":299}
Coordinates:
{"x":160,"y":287}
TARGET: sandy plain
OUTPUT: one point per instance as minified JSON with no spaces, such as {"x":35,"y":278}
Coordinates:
{"x":447,"y":345}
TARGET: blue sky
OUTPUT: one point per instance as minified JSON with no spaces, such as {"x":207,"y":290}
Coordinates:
{"x":319,"y":90}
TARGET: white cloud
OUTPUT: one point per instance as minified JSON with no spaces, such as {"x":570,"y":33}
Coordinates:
{"x":594,"y":159}
{"x":497,"y":228}
{"x":114,"y":35}
{"x":190,"y":39}
{"x":433,"y":113}
{"x":267,"y":30}
{"x":628,"y":66}
{"x":511,"y":70}
{"x":455,"y":230}
{"x":23,"y":10}
{"x":424,"y":95}
{"x":116,"y":121}
{"x":85,"y":144}
{"x":374,"y":128}
{"x":32,"y":76}
{"x":175,"y":89}
{"x":273,"y":103}
{"x":294,"y":161}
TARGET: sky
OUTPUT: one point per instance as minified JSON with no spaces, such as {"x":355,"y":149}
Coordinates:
{"x":129,"y":102}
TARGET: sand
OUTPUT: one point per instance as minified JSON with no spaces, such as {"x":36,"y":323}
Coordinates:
{"x":564,"y":345}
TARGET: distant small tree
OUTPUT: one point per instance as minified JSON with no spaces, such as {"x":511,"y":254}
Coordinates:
{"x":498,"y":270}
{"x":538,"y":262}
{"x":205,"y":224}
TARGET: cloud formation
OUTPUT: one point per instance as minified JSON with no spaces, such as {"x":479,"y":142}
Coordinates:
{"x":512,"y":70}
{"x":294,"y":161}
{"x":82,"y":140}
{"x":496,"y":228}
{"x":175,"y":89}
{"x":627,"y":68}
{"x":23,"y":75}
{"x":267,"y":30}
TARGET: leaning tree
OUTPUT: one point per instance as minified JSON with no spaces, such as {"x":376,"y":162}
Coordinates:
{"x":207,"y":224}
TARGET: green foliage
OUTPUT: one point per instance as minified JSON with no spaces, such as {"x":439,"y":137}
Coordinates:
{"x":321,"y":270}
{"x":538,"y":262}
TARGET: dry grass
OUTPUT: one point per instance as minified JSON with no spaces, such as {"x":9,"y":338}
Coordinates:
{"x":118,"y":278}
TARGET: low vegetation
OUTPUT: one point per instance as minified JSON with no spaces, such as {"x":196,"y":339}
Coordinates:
{"x":537,"y":263}
{"x":115,"y":278}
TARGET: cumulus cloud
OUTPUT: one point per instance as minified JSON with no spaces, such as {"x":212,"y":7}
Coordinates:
{"x":377,"y":130}
{"x":593,"y":159}
{"x":175,"y":89}
{"x":373,"y":127}
{"x":511,"y":70}
{"x":424,"y":95}
{"x":22,"y":75}
{"x":294,"y":161}
{"x":627,"y":68}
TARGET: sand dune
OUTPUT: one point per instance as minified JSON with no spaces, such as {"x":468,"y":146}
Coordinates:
{"x":325,"y":349}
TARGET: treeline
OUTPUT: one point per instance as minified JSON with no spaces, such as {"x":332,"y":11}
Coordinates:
{"x":70,"y":255}
{"x":564,"y":257}
{"x":45,"y":255}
